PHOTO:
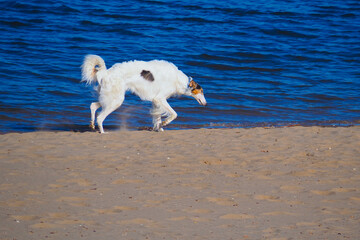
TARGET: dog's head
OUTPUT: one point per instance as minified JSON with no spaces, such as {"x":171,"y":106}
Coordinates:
{"x":197,"y":92}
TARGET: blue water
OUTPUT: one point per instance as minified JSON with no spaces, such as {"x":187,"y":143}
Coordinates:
{"x":261,"y":63}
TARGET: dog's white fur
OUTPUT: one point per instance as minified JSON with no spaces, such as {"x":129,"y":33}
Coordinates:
{"x":121,"y":77}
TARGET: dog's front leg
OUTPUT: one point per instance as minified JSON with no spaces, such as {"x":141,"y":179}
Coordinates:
{"x":157,"y":126}
{"x":156,"y":112}
{"x":169,"y":119}
{"x":169,"y":111}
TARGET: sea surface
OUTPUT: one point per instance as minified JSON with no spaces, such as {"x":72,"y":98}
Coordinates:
{"x":260,"y":62}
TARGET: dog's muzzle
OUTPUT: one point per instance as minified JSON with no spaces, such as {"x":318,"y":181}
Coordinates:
{"x":200,"y":98}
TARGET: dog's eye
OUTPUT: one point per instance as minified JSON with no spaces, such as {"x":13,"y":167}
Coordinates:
{"x":198,"y":86}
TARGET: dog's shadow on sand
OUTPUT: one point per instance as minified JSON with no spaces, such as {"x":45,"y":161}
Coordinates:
{"x":85,"y":128}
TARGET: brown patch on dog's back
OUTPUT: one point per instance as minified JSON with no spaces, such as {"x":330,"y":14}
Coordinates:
{"x":147,"y":75}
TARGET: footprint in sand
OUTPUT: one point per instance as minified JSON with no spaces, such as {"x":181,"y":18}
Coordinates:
{"x":58,"y":220}
{"x":181,"y":218}
{"x":114,"y":210}
{"x":279,"y":213}
{"x":25,"y":217}
{"x":305,"y":173}
{"x":73,"y":201}
{"x":139,"y":221}
{"x":344,"y":190}
{"x":217,"y":161}
{"x":232,"y":216}
{"x":323,"y":193}
{"x":267,"y":198}
{"x":44,"y":225}
{"x":125,"y":181}
{"x":221,"y":201}
{"x":199,"y":211}
{"x":355,"y":199}
{"x":6,"y":186}
{"x":291,"y":188}
{"x":79,"y":181}
{"x":13,"y":203}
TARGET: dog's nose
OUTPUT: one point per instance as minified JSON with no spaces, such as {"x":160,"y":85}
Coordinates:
{"x":203,"y":102}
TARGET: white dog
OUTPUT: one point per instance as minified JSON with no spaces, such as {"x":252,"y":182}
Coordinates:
{"x":153,"y":81}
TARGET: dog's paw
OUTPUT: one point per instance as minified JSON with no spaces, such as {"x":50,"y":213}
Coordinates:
{"x":158,"y":129}
{"x":92,"y":125}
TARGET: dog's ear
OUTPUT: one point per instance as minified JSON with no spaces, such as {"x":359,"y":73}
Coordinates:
{"x":192,"y":84}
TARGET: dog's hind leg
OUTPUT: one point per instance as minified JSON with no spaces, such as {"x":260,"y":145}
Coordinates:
{"x":106,"y":110}
{"x":93,"y":107}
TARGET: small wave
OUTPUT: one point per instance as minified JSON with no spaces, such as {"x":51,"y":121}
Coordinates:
{"x":196,"y":20}
{"x":65,"y":10}
{"x":121,"y":16}
{"x":308,"y":58}
{"x":286,"y":14}
{"x":226,"y":67}
{"x":19,"y":42}
{"x":288,"y":33}
{"x":240,"y":12}
{"x":62,"y":94}
{"x":231,"y":59}
{"x":316,"y":97}
{"x":78,"y":39}
{"x":17,"y":6}
{"x":87,"y":23}
{"x":14,"y":24}
{"x":348,"y":15}
{"x":36,"y":21}
{"x":123,"y":31}
{"x":233,"y":68}
{"x":251,"y":55}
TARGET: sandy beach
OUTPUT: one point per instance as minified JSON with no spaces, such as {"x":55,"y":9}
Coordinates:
{"x":259,"y":183}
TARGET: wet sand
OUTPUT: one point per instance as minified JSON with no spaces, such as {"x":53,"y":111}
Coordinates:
{"x":260,"y":183}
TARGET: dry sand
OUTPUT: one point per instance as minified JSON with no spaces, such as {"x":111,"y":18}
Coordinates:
{"x":279,"y":183}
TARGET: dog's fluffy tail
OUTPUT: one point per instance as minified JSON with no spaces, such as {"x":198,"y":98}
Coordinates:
{"x":93,"y":69}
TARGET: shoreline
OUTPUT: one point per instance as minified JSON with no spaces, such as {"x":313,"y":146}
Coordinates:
{"x":241,"y":183}
{"x":123,"y":126}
